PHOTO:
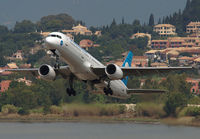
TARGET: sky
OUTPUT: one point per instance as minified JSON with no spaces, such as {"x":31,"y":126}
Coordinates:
{"x":92,"y":12}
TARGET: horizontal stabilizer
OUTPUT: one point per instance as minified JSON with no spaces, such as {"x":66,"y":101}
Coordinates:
{"x":144,"y":91}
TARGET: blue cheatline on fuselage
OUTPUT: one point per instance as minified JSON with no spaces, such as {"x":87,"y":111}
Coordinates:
{"x":127,"y":63}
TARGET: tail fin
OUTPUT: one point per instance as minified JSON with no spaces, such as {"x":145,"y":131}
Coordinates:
{"x":127,"y":63}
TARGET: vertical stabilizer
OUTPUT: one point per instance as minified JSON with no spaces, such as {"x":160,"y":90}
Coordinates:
{"x":127,"y":63}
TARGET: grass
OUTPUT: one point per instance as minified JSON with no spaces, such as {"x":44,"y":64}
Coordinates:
{"x":92,"y":109}
{"x":150,"y":110}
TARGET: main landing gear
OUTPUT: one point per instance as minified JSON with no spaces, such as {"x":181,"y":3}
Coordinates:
{"x":108,"y":90}
{"x":70,"y":91}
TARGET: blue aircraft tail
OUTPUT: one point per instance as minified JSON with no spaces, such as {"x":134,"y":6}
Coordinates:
{"x":127,"y":63}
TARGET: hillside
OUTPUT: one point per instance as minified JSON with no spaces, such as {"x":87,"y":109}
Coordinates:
{"x":181,"y":18}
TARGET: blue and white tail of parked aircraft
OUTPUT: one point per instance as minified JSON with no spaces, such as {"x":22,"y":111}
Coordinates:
{"x":110,"y":79}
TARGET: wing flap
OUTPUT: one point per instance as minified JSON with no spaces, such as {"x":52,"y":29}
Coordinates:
{"x":145,"y":91}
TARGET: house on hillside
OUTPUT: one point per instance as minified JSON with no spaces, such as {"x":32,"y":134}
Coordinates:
{"x":4,"y":85}
{"x":98,"y":33}
{"x":12,"y":65}
{"x":44,"y":34}
{"x":86,"y":44}
{"x":140,"y":61}
{"x":16,"y":56}
{"x":4,"y":73}
{"x":165,"y":29}
{"x":193,"y":27}
{"x":79,"y":29}
{"x":27,"y":82}
{"x":195,"y":89}
{"x":185,"y":60}
{"x":142,"y":35}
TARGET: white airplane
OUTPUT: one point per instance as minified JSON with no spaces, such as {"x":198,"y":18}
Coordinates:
{"x":110,"y":79}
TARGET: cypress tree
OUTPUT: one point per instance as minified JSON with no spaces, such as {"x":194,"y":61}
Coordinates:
{"x":151,"y":20}
{"x":188,"y":4}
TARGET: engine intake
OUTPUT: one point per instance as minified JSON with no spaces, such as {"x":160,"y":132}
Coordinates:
{"x":47,"y":72}
{"x":114,"y":72}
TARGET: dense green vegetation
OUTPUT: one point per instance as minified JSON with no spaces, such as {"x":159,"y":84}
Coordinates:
{"x":46,"y":93}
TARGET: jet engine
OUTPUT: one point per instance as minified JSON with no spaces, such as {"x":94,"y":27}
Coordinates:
{"x":47,"y":72}
{"x":114,"y":72}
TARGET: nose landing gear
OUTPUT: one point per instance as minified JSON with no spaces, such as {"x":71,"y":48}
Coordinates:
{"x":56,"y":65}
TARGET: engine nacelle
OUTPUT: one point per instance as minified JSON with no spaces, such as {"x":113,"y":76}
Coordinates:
{"x":47,"y":72}
{"x":114,"y":72}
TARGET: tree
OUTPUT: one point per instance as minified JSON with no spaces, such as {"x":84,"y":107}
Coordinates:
{"x":3,"y":30}
{"x":159,"y":21}
{"x":188,"y":4}
{"x":123,"y":22}
{"x":25,"y":26}
{"x":174,"y":101}
{"x":179,"y":93}
{"x":136,"y":23}
{"x":151,"y":20}
{"x":113,"y":23}
{"x":55,"y":22}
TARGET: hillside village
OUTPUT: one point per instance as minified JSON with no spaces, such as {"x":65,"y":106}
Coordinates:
{"x":183,"y":51}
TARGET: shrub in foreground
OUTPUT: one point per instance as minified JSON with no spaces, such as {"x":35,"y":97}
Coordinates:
{"x":9,"y":109}
{"x":193,"y":111}
{"x":55,"y":110}
{"x":23,"y":111}
{"x":150,"y":110}
{"x":93,"y":109}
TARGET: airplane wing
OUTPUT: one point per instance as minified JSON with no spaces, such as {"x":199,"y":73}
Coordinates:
{"x":63,"y":70}
{"x":140,"y":71}
{"x":144,"y":91}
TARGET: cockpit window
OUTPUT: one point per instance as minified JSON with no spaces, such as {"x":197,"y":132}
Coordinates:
{"x":57,"y":36}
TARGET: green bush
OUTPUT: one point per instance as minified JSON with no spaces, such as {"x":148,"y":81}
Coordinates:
{"x":23,"y":111}
{"x":194,"y":100}
{"x":55,"y":110}
{"x":121,"y":109}
{"x":46,"y":109}
{"x":193,"y":111}
{"x":174,"y":101}
{"x":9,"y":109}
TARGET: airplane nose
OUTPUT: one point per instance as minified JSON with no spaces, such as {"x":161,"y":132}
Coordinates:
{"x":49,"y":42}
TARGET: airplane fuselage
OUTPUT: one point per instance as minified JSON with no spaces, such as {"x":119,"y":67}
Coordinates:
{"x":80,"y":63}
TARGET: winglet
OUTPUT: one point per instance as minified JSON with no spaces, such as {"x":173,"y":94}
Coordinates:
{"x":127,"y":63}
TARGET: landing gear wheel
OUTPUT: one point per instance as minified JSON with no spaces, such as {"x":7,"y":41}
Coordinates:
{"x":57,"y":66}
{"x":105,"y":91}
{"x":71,"y":91}
{"x":108,"y":91}
{"x":68,"y":92}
